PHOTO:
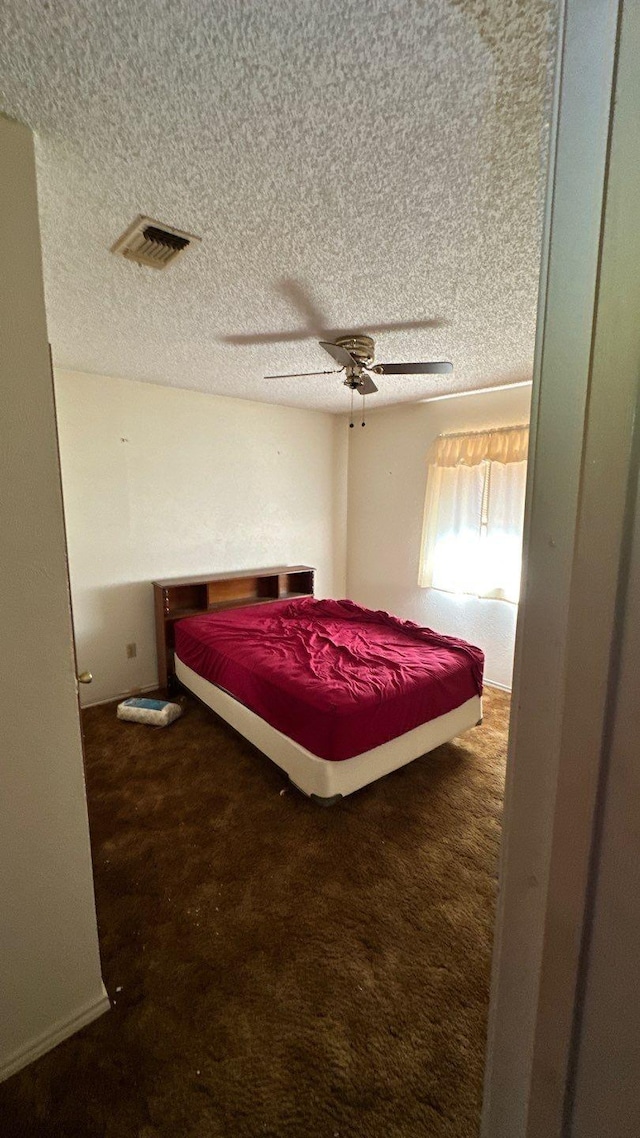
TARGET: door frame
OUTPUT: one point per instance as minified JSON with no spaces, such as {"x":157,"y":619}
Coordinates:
{"x":580,"y":465}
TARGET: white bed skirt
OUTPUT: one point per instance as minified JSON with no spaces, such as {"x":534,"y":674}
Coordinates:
{"x":324,"y":778}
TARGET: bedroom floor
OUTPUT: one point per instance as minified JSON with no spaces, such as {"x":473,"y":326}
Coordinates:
{"x":277,"y":968}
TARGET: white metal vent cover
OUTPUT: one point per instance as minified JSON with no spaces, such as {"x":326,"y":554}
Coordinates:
{"x":152,"y":243}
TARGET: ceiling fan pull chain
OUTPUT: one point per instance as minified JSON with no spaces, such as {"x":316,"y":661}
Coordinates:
{"x":363,"y":399}
{"x":351,"y":411}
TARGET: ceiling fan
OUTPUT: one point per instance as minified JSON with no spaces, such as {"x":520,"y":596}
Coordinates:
{"x":356,"y":355}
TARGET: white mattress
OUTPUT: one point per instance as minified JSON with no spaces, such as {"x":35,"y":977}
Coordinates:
{"x":324,"y":778}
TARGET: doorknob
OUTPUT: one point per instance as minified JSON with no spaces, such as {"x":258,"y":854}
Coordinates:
{"x":85,"y":678}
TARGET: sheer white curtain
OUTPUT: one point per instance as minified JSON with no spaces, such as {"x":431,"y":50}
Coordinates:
{"x":502,"y":542}
{"x":457,"y":510}
{"x":474,"y":511}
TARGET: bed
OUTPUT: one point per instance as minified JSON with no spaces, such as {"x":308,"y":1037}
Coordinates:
{"x":336,"y":694}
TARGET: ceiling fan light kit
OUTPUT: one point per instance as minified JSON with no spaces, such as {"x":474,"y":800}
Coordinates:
{"x":356,"y":354}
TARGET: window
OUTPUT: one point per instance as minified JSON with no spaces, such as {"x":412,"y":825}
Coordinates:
{"x":472,"y":535}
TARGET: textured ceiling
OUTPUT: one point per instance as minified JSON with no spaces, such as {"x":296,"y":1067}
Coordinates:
{"x":349,"y":164}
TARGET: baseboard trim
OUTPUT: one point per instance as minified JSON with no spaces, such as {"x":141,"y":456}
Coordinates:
{"x":122,"y":695}
{"x":55,"y":1035}
{"x":495,"y":684}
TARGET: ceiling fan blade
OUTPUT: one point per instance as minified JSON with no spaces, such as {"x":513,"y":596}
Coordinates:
{"x":340,"y":354}
{"x":304,"y":374}
{"x":367,"y":386}
{"x":442,"y":367}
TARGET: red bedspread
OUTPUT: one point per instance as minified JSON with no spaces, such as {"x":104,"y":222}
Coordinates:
{"x":337,"y":678}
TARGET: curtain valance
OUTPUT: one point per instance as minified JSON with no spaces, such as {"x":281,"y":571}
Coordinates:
{"x":504,"y":444}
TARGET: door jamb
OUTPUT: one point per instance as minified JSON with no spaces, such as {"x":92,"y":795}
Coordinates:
{"x":580,"y":445}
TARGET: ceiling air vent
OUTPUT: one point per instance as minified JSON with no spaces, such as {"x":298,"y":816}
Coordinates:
{"x":152,"y":243}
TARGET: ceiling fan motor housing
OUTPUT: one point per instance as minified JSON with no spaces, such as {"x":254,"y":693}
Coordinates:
{"x":361,"y":347}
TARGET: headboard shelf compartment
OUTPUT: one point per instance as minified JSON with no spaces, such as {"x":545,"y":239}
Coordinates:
{"x":242,"y":589}
{"x":178,"y":597}
{"x":296,"y":582}
{"x":183,"y":599}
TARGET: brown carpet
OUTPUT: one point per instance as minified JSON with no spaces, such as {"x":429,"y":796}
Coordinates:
{"x":278,"y":968}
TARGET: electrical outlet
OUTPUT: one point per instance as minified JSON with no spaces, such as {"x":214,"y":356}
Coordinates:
{"x":132,"y":651}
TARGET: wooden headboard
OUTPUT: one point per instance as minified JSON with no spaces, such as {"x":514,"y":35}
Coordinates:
{"x":178,"y":597}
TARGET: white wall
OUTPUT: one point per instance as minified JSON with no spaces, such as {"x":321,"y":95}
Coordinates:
{"x":387,"y":481}
{"x":49,"y":964}
{"x":160,"y":482}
